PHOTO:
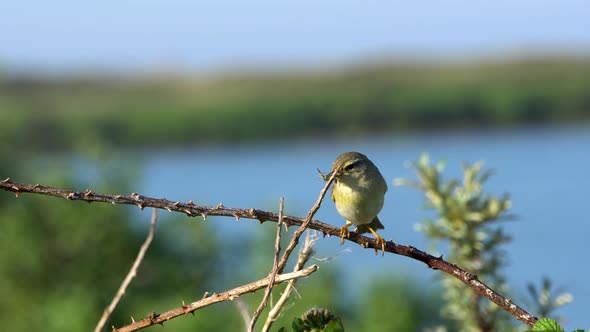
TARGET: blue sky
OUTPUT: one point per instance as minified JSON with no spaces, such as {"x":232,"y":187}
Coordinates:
{"x":221,"y":35}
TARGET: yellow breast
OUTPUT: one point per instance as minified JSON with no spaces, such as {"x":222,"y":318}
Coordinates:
{"x":357,"y":204}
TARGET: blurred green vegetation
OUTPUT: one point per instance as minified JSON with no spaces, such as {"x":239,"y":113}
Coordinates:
{"x":158,"y":111}
{"x":468,"y":220}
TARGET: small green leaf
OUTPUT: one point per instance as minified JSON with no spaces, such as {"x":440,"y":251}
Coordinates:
{"x":424,"y":159}
{"x":334,"y":326}
{"x":297,"y":325}
{"x":547,"y":325}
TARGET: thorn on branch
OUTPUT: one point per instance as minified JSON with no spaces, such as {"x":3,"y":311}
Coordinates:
{"x":220,"y":206}
{"x":152,"y":317}
{"x":7,"y":180}
{"x":176,"y":204}
{"x":237,"y":216}
{"x":204,"y":215}
{"x":188,"y":212}
{"x":70,"y":196}
{"x":36,"y":186}
{"x":88,"y":193}
{"x":190,"y":202}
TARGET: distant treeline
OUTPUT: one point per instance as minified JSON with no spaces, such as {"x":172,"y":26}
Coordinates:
{"x":75,"y":113}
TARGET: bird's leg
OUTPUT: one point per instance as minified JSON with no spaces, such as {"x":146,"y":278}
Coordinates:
{"x":378,"y":240}
{"x":344,"y":232}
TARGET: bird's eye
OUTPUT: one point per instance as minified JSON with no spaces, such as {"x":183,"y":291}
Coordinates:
{"x":349,"y":166}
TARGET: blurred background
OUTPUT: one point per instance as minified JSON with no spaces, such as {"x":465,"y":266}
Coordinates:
{"x":239,"y":103}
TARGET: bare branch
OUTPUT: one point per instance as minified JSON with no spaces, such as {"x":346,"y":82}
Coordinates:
{"x":132,"y":273}
{"x":437,"y":263}
{"x":229,"y":295}
{"x":304,"y":255}
{"x":273,"y":272}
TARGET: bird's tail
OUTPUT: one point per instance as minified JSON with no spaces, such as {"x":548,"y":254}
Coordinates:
{"x":375,"y":224}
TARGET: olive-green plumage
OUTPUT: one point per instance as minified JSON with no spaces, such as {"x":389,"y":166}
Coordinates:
{"x":358,"y":192}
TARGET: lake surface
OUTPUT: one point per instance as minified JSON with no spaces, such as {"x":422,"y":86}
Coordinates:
{"x":545,"y":171}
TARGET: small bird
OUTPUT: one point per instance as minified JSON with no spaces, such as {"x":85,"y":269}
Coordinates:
{"x":358,"y":192}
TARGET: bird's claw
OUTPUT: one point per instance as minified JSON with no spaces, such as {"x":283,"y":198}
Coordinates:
{"x":344,"y":233}
{"x":380,"y":241}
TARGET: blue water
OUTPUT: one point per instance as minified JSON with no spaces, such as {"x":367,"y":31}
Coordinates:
{"x":545,"y":171}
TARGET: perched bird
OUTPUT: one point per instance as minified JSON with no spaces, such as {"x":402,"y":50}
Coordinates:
{"x":358,"y":192}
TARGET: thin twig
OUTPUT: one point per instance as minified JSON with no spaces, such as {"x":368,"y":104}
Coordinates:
{"x":295,"y":239}
{"x":191,"y":209}
{"x":229,"y":295}
{"x":273,"y":272}
{"x":244,"y":312}
{"x":132,"y":273}
{"x":304,"y":255}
